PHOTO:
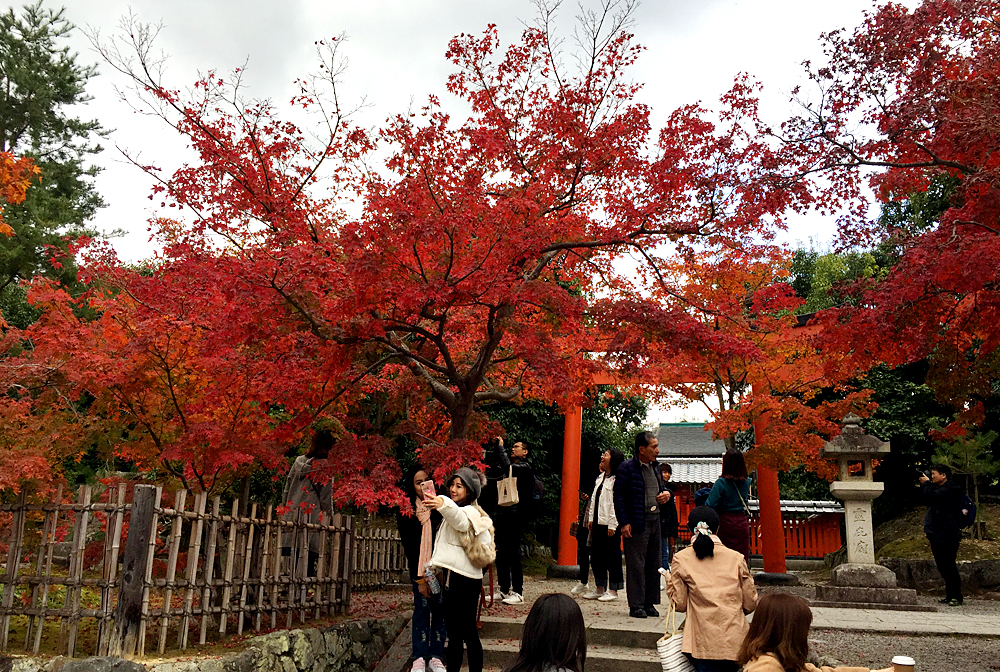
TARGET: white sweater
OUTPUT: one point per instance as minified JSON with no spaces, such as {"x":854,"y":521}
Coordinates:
{"x":605,"y":514}
{"x":448,"y":550}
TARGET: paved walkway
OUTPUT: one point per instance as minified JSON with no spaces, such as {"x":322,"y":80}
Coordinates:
{"x":979,"y":618}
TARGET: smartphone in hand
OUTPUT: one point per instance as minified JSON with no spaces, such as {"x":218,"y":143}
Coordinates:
{"x":427,"y":487}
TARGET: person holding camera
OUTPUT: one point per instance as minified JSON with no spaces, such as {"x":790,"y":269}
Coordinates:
{"x":943,"y":498}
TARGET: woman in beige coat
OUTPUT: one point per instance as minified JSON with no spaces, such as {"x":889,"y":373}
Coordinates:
{"x":778,"y":640}
{"x":713,"y":586}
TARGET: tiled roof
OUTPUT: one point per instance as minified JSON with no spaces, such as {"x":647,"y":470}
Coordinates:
{"x":694,"y":469}
{"x":798,"y":506}
{"x":687,"y":439}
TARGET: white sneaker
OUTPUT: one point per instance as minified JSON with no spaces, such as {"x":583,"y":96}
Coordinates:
{"x":513,"y":598}
{"x":418,"y":665}
{"x":579,"y":589}
{"x":593,"y":595}
{"x":500,"y":596}
{"x":607,"y":597}
{"x":437,"y":666}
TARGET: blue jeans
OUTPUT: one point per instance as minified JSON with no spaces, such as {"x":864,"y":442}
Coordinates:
{"x":665,"y":549}
{"x":428,"y":626}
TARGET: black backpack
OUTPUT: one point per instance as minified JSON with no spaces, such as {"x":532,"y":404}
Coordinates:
{"x":538,"y":490}
{"x":967,"y":513}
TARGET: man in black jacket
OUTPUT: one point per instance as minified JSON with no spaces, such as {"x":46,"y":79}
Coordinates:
{"x":941,"y":525}
{"x":509,"y":524}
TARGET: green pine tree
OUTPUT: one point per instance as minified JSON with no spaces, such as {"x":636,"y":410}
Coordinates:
{"x":41,"y":83}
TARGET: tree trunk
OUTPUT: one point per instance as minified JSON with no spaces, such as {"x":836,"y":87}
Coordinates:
{"x":461,"y":417}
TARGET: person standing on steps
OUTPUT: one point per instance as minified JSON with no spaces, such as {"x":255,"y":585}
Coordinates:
{"x":943,"y":498}
{"x":606,"y":553}
{"x":416,"y":532}
{"x":509,"y":522}
{"x":583,"y":551}
{"x":668,"y":518}
{"x":639,"y":494}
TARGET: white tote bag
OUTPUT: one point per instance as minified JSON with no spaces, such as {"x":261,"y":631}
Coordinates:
{"x":507,"y":490}
{"x":668,"y":647}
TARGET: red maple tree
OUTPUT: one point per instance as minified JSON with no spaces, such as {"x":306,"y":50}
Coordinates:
{"x":907,"y":97}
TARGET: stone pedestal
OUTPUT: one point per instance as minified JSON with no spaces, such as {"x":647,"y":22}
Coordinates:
{"x":866,"y":586}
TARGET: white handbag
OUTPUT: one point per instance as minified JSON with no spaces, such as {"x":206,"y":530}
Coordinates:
{"x":507,"y":490}
{"x":668,"y":647}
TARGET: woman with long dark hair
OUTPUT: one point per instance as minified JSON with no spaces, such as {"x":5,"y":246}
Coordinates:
{"x":554,"y":637}
{"x":416,"y":532}
{"x":778,"y":639}
{"x":713,"y":586}
{"x":729,"y":496}
{"x":605,"y":540}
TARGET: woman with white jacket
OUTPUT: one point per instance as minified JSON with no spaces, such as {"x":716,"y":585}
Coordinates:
{"x":461,"y":580}
{"x":605,"y":541}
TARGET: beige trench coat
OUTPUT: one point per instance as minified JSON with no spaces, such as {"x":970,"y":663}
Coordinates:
{"x":716,"y":594}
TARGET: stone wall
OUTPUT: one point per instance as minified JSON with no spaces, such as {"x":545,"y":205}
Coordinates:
{"x":347,"y":647}
{"x":977,"y":575}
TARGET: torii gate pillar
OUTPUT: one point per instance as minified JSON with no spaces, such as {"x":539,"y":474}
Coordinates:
{"x":569,"y":498}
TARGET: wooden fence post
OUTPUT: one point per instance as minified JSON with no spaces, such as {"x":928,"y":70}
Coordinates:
{"x":128,"y":612}
{"x":13,"y":565}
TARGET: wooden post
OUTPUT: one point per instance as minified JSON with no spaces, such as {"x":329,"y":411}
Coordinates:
{"x":128,"y":613}
{"x":227,"y":586}
{"x":208,"y":593}
{"x":246,"y":569}
{"x":13,"y":564}
{"x":39,"y":574}
{"x":194,"y":550}
{"x":263,"y":569}
{"x":49,"y":548}
{"x":180,"y":498}
{"x":348,"y":565}
{"x":75,"y":589}
{"x":113,"y":533}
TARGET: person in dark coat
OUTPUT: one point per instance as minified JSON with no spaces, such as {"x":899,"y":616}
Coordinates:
{"x":668,"y":517}
{"x":943,"y":498}
{"x":639,"y":494}
{"x":509,"y":523}
{"x":417,"y":533}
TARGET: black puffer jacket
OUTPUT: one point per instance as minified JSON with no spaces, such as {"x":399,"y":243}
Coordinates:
{"x":944,"y":506}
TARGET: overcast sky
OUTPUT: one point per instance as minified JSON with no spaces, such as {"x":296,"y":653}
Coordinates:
{"x":396,"y":51}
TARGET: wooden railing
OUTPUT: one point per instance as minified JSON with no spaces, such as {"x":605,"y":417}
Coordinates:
{"x":806,"y":535}
{"x":379,"y":560}
{"x":169,"y":570}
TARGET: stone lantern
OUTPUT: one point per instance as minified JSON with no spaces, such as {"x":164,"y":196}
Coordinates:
{"x":854,"y":451}
{"x":860,"y":581}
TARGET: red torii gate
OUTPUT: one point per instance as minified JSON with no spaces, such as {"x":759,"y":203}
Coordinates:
{"x":771,"y":528}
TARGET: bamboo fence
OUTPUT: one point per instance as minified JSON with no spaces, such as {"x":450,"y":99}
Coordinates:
{"x":190,"y":569}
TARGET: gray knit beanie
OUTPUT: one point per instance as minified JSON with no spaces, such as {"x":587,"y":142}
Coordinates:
{"x":471,"y":481}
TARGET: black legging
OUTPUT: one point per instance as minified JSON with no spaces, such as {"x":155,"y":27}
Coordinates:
{"x":461,"y":599}
{"x":606,"y":558}
{"x":510,"y":575}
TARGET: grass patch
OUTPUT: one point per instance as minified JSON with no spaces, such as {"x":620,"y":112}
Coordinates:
{"x":903,"y":537}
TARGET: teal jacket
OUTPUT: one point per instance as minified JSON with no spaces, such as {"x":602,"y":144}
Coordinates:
{"x":725,"y":495}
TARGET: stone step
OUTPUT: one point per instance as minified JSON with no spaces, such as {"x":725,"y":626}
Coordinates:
{"x":640,"y":634}
{"x":498,"y":652}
